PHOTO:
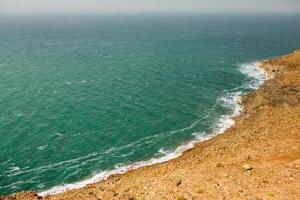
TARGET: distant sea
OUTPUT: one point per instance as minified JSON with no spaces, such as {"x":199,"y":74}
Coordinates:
{"x":83,"y":97}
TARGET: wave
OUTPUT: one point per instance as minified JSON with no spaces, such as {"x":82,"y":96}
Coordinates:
{"x":231,"y":101}
{"x":257,"y":75}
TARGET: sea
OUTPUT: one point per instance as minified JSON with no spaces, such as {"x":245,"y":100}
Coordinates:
{"x":86,"y":96}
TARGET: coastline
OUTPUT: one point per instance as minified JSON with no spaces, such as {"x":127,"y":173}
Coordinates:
{"x":231,"y":100}
{"x":213,"y":169}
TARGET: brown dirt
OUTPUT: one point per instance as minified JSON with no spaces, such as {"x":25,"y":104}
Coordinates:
{"x":258,"y":158}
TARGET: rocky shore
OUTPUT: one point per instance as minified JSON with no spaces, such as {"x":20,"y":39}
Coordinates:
{"x":258,"y":158}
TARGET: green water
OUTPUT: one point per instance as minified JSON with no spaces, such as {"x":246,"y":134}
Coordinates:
{"x":81,"y":95}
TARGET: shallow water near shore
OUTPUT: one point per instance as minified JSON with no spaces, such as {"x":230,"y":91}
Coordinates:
{"x":84,"y":97}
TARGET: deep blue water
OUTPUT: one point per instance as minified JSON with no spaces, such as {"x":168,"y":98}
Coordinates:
{"x":84,"y":94}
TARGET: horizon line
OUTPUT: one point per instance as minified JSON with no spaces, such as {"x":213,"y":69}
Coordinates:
{"x":156,"y":12}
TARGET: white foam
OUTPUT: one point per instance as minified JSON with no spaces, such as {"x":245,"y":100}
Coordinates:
{"x":257,"y":75}
{"x":122,"y":169}
{"x":12,"y":169}
{"x":18,"y":114}
{"x":42,"y":147}
{"x":229,"y":100}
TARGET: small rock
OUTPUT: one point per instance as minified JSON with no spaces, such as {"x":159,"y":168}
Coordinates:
{"x":219,"y":165}
{"x":247,"y":167}
{"x":178,"y":183}
{"x":200,"y":191}
{"x":265,"y":182}
{"x":271,"y":194}
{"x":181,"y":198}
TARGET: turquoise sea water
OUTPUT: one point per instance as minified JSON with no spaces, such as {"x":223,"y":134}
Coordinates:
{"x":84,"y":95}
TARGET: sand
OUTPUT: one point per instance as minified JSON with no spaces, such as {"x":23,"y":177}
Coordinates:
{"x":257,"y":158}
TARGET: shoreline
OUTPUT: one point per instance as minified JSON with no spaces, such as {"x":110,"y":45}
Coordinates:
{"x":184,"y":176}
{"x":223,"y":123}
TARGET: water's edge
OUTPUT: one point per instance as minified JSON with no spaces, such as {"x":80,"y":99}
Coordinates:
{"x":231,"y":99}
